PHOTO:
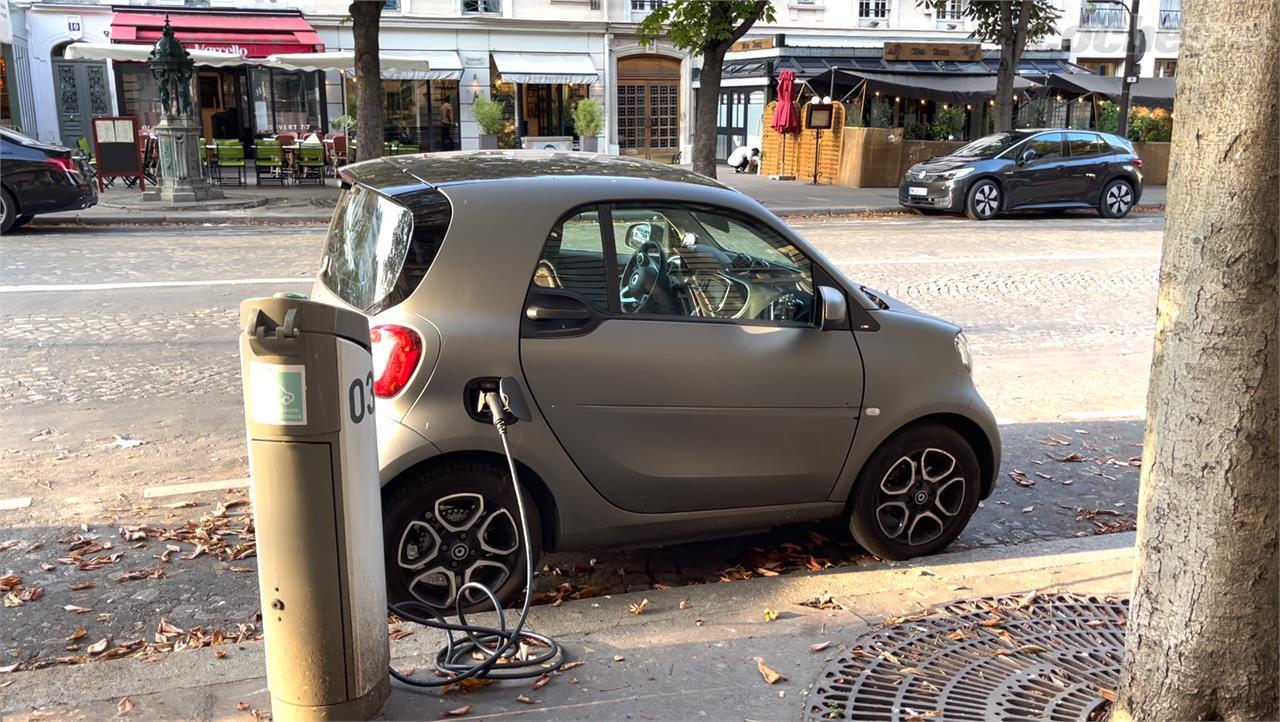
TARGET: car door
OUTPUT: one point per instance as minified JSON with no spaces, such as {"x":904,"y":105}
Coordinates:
{"x":719,"y":391}
{"x":1084,"y":167}
{"x":1040,"y":179}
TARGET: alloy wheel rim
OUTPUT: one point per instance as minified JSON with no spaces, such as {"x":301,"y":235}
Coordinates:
{"x":920,"y":496}
{"x":463,"y":538}
{"x":986,"y":200}
{"x":1118,"y":198}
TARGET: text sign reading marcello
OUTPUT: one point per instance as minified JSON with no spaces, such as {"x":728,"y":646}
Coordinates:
{"x":970,"y":52}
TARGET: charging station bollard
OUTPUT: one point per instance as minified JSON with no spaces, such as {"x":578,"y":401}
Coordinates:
{"x":313,"y":456}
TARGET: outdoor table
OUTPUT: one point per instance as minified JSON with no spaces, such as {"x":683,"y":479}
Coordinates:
{"x":211,"y":158}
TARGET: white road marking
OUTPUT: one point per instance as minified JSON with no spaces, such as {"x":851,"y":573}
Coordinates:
{"x":148,"y":284}
{"x":944,"y":260}
{"x":17,"y":502}
{"x":154,"y":492}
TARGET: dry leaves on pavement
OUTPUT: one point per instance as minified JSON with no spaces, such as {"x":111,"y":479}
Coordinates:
{"x":124,"y":706}
{"x":462,"y":711}
{"x":768,"y":674}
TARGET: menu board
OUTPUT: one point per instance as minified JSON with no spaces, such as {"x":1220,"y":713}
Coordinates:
{"x":116,"y":148}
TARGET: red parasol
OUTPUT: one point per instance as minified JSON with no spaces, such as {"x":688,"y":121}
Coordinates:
{"x":786,"y":118}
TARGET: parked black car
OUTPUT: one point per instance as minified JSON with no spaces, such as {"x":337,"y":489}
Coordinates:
{"x":39,"y":178}
{"x":1026,"y":169}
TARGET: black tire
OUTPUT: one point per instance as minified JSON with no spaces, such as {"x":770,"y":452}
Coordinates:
{"x":412,"y":501}
{"x":22,"y":221}
{"x":1116,"y":200}
{"x":8,"y":211}
{"x":984,"y":199}
{"x":895,"y":529}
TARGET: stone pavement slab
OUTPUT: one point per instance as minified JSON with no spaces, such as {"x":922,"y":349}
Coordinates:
{"x":696,"y":660}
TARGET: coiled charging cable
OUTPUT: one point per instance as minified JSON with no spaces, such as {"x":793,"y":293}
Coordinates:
{"x":486,"y":652}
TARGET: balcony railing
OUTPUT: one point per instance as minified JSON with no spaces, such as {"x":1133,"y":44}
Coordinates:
{"x":1170,"y":19}
{"x":1101,"y":17}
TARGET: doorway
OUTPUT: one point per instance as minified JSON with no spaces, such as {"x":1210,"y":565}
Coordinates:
{"x":649,"y":107}
{"x":224,"y":104}
{"x":82,"y":92}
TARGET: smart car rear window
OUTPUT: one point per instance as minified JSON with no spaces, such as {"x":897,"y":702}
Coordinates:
{"x":378,"y":250}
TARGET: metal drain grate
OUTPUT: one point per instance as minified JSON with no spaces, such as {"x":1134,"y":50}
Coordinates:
{"x":1035,"y":657}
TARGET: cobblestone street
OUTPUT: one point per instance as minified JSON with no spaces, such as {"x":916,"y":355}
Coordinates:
{"x":120,"y":373}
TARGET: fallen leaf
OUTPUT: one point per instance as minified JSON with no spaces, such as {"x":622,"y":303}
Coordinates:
{"x":541,"y":681}
{"x":242,"y":706}
{"x":638,"y":608}
{"x":660,"y":586}
{"x":78,"y":634}
{"x":1072,"y":457}
{"x":684,"y":603}
{"x":571,"y":665}
{"x":619,"y":658}
{"x":1031,"y":649}
{"x":523,"y":699}
{"x":77,"y":610}
{"x":1028,"y":509}
{"x":9,"y":668}
{"x":47,"y":566}
{"x":462,"y":711}
{"x":220,"y":654}
{"x":819,"y":646}
{"x":697,"y":622}
{"x":769,"y":675}
{"x":124,"y":707}
{"x":98,"y":647}
{"x":80,"y":586}
{"x":770,"y":616}
{"x":1107,"y":694}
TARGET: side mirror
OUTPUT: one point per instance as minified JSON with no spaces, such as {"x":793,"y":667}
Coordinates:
{"x":834,"y":309}
{"x":636,"y":236}
{"x":1027,"y":156}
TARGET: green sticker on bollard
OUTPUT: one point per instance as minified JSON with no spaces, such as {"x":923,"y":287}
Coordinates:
{"x":279,"y":394}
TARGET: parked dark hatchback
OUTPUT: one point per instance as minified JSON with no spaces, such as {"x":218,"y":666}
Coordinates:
{"x":1029,"y":169}
{"x":39,"y":178}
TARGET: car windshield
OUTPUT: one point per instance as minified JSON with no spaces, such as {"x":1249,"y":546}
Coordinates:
{"x":990,"y":146}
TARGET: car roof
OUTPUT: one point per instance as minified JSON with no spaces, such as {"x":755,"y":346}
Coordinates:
{"x":493,"y":166}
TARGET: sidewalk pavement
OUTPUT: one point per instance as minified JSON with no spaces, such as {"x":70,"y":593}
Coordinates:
{"x":667,"y":663}
{"x":313,"y":204}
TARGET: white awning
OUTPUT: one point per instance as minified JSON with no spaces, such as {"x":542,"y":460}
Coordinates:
{"x":395,"y":64}
{"x":548,"y":68}
{"x":140,"y":53}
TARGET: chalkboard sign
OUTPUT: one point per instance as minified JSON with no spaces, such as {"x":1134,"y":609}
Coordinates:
{"x":116,"y":149}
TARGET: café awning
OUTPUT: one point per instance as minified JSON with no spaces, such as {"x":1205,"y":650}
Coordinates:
{"x":942,"y":87}
{"x":247,"y":34}
{"x":546,"y":68}
{"x":394,"y":64}
{"x":139,"y":54}
{"x":1151,"y":92}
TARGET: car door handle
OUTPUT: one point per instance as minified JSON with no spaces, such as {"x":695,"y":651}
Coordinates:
{"x":535,"y":312}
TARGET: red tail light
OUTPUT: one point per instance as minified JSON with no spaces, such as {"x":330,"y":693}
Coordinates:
{"x":65,"y":164}
{"x":396,"y":352}
{"x":1137,"y":162}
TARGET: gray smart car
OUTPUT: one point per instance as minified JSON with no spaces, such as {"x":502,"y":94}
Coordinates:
{"x":695,"y":369}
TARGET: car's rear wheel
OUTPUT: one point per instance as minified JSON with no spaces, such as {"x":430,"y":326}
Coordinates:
{"x":8,"y":211}
{"x":452,"y":524}
{"x":983,"y":200}
{"x":1117,"y":199}
{"x":916,"y":493}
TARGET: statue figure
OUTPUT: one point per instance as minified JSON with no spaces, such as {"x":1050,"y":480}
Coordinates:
{"x":171,"y":65}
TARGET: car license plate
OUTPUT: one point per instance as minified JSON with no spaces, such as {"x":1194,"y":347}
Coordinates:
{"x":917,"y":191}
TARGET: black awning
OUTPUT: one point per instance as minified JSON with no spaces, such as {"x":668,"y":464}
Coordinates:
{"x":942,"y":87}
{"x":808,"y":66}
{"x":1151,"y":92}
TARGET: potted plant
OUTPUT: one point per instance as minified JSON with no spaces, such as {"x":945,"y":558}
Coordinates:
{"x":343,"y":123}
{"x":588,"y":119}
{"x":490,"y":114}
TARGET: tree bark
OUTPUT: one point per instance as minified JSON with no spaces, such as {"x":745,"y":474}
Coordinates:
{"x":1008,"y":68}
{"x":365,"y":15}
{"x":1202,"y":636}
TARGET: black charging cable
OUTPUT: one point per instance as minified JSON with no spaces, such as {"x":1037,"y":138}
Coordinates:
{"x":488,"y":652}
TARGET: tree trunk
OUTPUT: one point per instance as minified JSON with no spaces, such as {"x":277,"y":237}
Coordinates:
{"x":1007,"y":70}
{"x":365,"y":15}
{"x":704,"y":119}
{"x":1202,"y":636}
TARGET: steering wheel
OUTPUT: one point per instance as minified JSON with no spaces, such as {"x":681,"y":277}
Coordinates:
{"x":642,"y":274}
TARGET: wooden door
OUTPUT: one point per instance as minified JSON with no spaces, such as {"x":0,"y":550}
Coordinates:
{"x":648,"y":107}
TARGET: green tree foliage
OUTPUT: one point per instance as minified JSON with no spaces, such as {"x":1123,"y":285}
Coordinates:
{"x":588,"y":117}
{"x":490,"y":114}
{"x":948,"y":124}
{"x":1011,"y":24}
{"x":706,"y":28}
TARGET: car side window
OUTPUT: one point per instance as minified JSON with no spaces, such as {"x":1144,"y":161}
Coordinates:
{"x":1084,"y":144}
{"x":1047,"y":146}
{"x":700,"y":262}
{"x":573,"y":259}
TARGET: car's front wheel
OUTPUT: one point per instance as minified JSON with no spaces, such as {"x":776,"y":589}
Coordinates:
{"x":916,"y":493}
{"x":983,"y":200}
{"x":453,"y":524}
{"x":8,"y":211}
{"x":1117,"y":199}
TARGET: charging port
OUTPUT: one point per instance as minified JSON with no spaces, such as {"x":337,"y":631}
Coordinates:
{"x":473,"y":397}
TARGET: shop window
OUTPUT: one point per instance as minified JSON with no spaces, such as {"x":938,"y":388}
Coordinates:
{"x":873,"y":13}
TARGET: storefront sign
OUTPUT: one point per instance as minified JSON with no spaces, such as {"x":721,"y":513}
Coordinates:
{"x":970,"y":52}
{"x":234,"y":50}
{"x":75,"y":27}
{"x":752,"y":44}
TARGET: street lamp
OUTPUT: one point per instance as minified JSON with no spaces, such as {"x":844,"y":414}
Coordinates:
{"x":1130,"y":62}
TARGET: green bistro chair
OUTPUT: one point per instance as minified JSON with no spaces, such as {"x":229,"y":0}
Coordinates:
{"x":230,"y":157}
{"x":310,"y":163}
{"x":268,"y":161}
{"x":87,"y":149}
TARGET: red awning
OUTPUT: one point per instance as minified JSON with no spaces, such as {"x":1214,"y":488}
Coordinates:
{"x":251,"y":35}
